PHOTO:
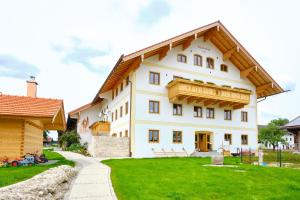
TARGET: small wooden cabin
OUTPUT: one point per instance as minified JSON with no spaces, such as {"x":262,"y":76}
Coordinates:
{"x":23,"y":120}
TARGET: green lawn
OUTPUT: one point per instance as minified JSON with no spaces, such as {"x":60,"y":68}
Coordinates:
{"x":187,"y":178}
{"x":10,"y":175}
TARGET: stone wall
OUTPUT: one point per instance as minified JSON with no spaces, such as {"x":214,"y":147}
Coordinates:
{"x":49,"y":185}
{"x":108,"y":146}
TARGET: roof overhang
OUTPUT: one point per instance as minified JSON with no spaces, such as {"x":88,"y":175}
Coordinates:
{"x":217,"y":34}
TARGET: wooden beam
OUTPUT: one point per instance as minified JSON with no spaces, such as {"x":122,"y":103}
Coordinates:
{"x":244,"y":73}
{"x":199,"y":100}
{"x":209,"y":34}
{"x":223,"y":104}
{"x":163,"y":53}
{"x":136,"y":63}
{"x":181,"y":98}
{"x":208,"y":102}
{"x":190,"y":100}
{"x":262,"y":88}
{"x":228,"y":53}
{"x":238,"y":106}
{"x":187,"y":43}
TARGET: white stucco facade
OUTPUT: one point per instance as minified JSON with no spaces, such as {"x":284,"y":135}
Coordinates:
{"x":142,"y":121}
{"x":166,"y":122}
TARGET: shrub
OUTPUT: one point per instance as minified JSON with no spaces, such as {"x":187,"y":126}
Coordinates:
{"x":69,"y":138}
{"x":78,"y":148}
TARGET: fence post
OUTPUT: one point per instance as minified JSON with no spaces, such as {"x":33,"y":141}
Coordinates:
{"x":241,"y":152}
{"x":250,"y":158}
{"x":280,"y":163}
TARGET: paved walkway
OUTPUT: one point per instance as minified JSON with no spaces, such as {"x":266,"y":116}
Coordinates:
{"x":93,"y":180}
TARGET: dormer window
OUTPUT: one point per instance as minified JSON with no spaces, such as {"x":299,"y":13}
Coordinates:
{"x":181,"y":58}
{"x":198,"y":60}
{"x":224,"y":68}
{"x":210,"y":63}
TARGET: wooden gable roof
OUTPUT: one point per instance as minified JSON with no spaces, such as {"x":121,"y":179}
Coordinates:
{"x":49,"y":111}
{"x":216,"y":33}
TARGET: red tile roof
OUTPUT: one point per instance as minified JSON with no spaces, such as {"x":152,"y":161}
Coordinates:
{"x":28,"y":106}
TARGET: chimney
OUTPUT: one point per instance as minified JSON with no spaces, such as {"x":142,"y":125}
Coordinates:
{"x":31,"y":87}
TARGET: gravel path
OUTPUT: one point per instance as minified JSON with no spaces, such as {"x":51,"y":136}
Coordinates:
{"x":93,"y":180}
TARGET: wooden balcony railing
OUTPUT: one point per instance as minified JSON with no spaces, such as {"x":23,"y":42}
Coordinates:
{"x":180,"y":90}
{"x":99,"y":128}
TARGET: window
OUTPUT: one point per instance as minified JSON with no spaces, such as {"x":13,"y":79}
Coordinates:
{"x":126,"y":133}
{"x":153,"y":136}
{"x":198,"y":60}
{"x":244,"y":139}
{"x":210,"y":63}
{"x":177,"y":109}
{"x":127,"y":80}
{"x":244,"y":116}
{"x":210,"y":113}
{"x":197,"y":111}
{"x":114,"y":135}
{"x":116,"y":114}
{"x":121,"y":89}
{"x":112,"y":95}
{"x":227,"y":137}
{"x":112,"y":116}
{"x":181,"y":58}
{"x":153,"y":106}
{"x":126,"y":108}
{"x":116,"y":91}
{"x":177,"y":136}
{"x":227,"y":114}
{"x":224,"y":68}
{"x":121,"y":111}
{"x":154,"y":78}
{"x":120,"y":134}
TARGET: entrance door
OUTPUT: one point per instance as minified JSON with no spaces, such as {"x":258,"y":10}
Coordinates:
{"x":203,"y":141}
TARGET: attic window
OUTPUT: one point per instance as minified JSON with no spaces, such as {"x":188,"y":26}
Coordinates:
{"x":224,"y":68}
{"x":197,"y":60}
{"x":210,"y":63}
{"x":181,"y":58}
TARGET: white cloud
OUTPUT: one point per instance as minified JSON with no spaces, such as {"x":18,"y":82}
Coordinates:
{"x":29,"y":29}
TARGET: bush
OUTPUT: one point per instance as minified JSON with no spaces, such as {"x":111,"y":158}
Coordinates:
{"x":78,"y":148}
{"x":69,"y":138}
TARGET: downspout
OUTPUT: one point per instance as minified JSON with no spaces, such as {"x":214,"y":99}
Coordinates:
{"x":130,"y":118}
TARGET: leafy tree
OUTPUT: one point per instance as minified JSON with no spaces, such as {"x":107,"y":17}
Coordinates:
{"x":272,"y":133}
{"x":45,"y":134}
{"x":69,"y":138}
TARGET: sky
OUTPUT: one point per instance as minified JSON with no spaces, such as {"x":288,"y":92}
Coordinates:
{"x":71,"y":46}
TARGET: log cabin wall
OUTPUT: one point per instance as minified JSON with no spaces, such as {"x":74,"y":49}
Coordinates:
{"x":33,"y":137}
{"x":11,"y":133}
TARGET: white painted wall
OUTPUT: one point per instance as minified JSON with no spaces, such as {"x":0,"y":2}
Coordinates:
{"x":166,"y":122}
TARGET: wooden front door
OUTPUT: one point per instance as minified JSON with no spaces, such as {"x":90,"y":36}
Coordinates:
{"x":203,"y":141}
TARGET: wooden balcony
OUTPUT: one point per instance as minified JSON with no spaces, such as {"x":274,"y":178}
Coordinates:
{"x":180,"y":90}
{"x":99,"y":128}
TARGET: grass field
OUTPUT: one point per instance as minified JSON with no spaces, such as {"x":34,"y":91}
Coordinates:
{"x":10,"y":175}
{"x":187,"y":178}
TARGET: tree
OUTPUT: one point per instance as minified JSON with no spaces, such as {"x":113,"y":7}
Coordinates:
{"x":69,"y":138}
{"x":45,"y":135}
{"x":273,"y":133}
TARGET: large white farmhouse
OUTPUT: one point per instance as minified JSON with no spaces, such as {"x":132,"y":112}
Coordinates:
{"x":194,"y":92}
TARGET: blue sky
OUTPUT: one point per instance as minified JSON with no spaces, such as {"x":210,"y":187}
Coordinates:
{"x":72,"y":45}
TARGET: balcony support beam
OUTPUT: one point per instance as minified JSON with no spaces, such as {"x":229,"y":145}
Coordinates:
{"x":191,"y":100}
{"x":208,"y":102}
{"x":224,"y":104}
